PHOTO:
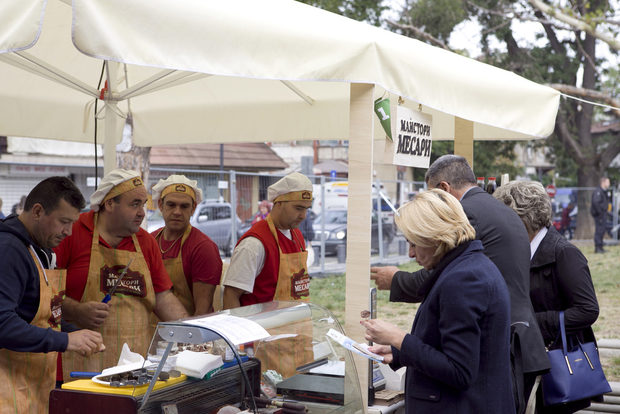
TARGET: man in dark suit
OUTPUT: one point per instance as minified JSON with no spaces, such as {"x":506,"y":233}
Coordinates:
{"x":506,"y":243}
{"x":598,"y":210}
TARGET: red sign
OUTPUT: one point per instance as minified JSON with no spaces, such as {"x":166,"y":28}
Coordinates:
{"x":551,"y":190}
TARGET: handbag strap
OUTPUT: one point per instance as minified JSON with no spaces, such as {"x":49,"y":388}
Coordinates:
{"x":563,"y":332}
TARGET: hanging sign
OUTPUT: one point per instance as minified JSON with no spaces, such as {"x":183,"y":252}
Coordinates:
{"x":382,"y":109}
{"x":413,"y":145}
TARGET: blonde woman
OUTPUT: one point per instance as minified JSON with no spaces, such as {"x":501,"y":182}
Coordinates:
{"x":458,"y":352}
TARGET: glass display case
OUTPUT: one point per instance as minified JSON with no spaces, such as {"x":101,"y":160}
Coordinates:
{"x":254,"y":357}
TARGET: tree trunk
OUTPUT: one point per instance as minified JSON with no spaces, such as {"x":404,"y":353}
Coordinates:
{"x":137,"y":159}
{"x":587,"y":176}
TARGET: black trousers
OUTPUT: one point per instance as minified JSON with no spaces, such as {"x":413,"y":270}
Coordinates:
{"x":599,"y":231}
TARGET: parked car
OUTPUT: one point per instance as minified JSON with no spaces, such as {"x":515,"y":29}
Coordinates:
{"x":213,"y":218}
{"x":336,"y":230}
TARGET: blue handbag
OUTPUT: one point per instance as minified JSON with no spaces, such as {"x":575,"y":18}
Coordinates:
{"x":575,"y":374}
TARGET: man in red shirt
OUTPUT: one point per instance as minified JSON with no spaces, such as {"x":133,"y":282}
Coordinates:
{"x":191,"y":258}
{"x":270,"y":260}
{"x":107,"y":243}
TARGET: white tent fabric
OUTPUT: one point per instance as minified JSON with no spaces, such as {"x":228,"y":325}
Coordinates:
{"x":239,"y":70}
{"x":192,"y":71}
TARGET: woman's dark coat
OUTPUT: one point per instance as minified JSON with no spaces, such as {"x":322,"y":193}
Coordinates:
{"x":458,"y":352}
{"x":560,"y":280}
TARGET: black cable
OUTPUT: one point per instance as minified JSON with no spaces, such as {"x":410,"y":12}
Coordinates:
{"x":97,"y":101}
{"x":243,"y":373}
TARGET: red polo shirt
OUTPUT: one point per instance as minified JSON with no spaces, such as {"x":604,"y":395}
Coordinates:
{"x":73,"y":254}
{"x":200,"y":255}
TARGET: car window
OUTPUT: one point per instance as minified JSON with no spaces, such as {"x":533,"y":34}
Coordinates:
{"x":221,"y":213}
{"x":206,"y":211}
{"x":333,"y":217}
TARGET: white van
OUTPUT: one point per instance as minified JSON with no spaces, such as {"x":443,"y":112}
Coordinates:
{"x":336,"y":193}
{"x":336,"y":196}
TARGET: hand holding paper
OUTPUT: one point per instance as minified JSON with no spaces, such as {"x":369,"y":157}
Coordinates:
{"x":383,"y":333}
{"x":350,"y":344}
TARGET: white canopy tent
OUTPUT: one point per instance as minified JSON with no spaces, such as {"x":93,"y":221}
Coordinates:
{"x":193,"y":71}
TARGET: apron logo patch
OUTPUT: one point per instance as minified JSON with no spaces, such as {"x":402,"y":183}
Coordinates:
{"x":132,"y":284}
{"x":56,"y":310}
{"x":300,"y":284}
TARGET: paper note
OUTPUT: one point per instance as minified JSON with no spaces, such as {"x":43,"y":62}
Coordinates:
{"x":351,"y":345}
{"x":237,"y":330}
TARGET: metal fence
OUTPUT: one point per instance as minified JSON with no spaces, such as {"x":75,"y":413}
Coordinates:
{"x":231,"y":194}
{"x":569,"y":201}
{"x":239,"y":193}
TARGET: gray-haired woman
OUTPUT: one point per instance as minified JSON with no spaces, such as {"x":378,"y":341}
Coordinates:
{"x":559,"y":275}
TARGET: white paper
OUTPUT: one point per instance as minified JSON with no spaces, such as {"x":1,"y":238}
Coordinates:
{"x":351,"y":345}
{"x":236,"y":330}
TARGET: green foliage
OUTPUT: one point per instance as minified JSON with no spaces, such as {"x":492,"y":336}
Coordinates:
{"x":368,"y":11}
{"x":491,"y":158}
{"x":437,"y":17}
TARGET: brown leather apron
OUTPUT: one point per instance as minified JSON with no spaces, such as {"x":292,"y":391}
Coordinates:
{"x":28,"y":377}
{"x":285,"y":355}
{"x":174,"y":266}
{"x":130,"y":306}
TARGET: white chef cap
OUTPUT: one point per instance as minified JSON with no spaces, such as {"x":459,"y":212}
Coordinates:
{"x":293,"y":187}
{"x":177,"y":184}
{"x":114,"y":183}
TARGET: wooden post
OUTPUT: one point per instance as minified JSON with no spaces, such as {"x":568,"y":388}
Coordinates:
{"x":359,"y":219}
{"x":464,"y":139}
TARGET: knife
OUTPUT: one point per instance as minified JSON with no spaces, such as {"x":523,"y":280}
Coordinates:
{"x":108,"y":296}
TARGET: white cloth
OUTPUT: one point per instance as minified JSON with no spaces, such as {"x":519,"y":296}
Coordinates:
{"x":108,"y":182}
{"x":536,"y":241}
{"x":247,"y":262}
{"x":293,"y":182}
{"x":176,"y":179}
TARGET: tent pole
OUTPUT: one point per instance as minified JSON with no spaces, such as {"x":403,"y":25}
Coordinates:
{"x":358,"y":220}
{"x":111,"y":119}
{"x":464,"y":139}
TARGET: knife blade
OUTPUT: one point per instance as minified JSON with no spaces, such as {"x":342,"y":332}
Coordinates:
{"x":108,"y":296}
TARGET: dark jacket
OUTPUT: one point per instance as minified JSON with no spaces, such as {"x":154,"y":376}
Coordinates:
{"x":458,"y":352}
{"x":560,"y":280}
{"x":599,"y":203}
{"x":506,"y":243}
{"x":19,"y":293}
{"x":306,"y":227}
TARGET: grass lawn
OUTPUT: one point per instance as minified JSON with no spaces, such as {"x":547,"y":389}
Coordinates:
{"x":329,"y":292}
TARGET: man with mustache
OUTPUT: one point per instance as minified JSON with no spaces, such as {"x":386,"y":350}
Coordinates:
{"x":191,"y":258}
{"x":31,"y":294}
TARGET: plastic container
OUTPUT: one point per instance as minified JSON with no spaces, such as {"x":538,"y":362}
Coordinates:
{"x":480,"y":182}
{"x":491,"y":185}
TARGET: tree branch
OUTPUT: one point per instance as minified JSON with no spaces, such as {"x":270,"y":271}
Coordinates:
{"x":588,"y":94}
{"x":420,"y":33}
{"x":610,"y":152}
{"x":561,"y":130}
{"x":576,"y":23}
